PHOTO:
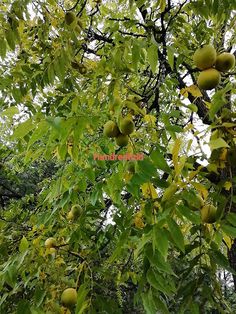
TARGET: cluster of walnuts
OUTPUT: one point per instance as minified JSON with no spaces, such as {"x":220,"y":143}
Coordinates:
{"x":74,"y":22}
{"x":211,"y":64}
{"x":124,"y":126}
{"x":121,"y":132}
{"x":69,"y":295}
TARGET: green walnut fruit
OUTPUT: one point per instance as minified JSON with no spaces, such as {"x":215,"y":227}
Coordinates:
{"x":50,"y":243}
{"x":131,"y":167}
{"x":225,"y":61}
{"x":75,"y":212}
{"x":69,"y":297}
{"x":52,"y":251}
{"x":208,"y":213}
{"x":204,"y":57}
{"x":209,"y":79}
{"x":70,"y":18}
{"x":126,"y":126}
{"x":122,"y":140}
{"x":111,"y":129}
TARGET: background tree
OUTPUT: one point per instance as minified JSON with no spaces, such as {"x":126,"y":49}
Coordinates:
{"x":130,"y":239}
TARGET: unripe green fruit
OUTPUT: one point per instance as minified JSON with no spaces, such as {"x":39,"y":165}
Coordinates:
{"x":208,"y":213}
{"x":205,"y":57}
{"x":53,"y":251}
{"x":70,"y":18}
{"x":69,"y":297}
{"x":75,"y":212}
{"x":208,"y":79}
{"x":111,"y":129}
{"x":225,"y":61}
{"x":126,"y":126}
{"x":50,"y":242}
{"x":122,"y":140}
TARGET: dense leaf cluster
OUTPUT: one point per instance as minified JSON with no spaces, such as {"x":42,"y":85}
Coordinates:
{"x":139,"y":243}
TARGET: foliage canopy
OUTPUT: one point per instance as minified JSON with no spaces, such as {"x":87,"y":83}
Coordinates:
{"x":137,"y":244}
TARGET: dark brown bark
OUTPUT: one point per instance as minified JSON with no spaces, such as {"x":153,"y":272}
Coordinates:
{"x":232,"y":260}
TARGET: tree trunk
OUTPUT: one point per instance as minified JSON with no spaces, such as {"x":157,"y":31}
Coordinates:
{"x":232,"y":260}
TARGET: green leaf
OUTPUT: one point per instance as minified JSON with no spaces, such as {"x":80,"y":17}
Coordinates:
{"x":134,"y":107}
{"x":217,"y":143}
{"x":9,"y":112}
{"x":157,"y":260}
{"x":174,"y":128}
{"x":148,"y":302}
{"x":170,"y":56}
{"x":11,"y":275}
{"x":75,"y":104}
{"x":3,"y":48}
{"x":59,"y":68}
{"x":158,"y":282}
{"x":159,"y":161}
{"x":51,"y":73}
{"x":169,"y":192}
{"x":136,"y":50}
{"x":146,"y":168}
{"x":23,"y":245}
{"x":10,"y":37}
{"x":38,"y":133}
{"x":81,"y":299}
{"x":162,"y":5}
{"x":161,"y":305}
{"x":221,"y":260}
{"x":229,"y":230}
{"x":160,"y":240}
{"x":231,"y":218}
{"x":176,"y":234}
{"x":23,"y":307}
{"x":139,"y":3}
{"x":193,"y":107}
{"x":152,"y":55}
{"x":194,"y":308}
{"x":16,"y":93}
{"x":39,"y":296}
{"x":189,"y":214}
{"x":23,"y":129}
{"x":218,"y":101}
